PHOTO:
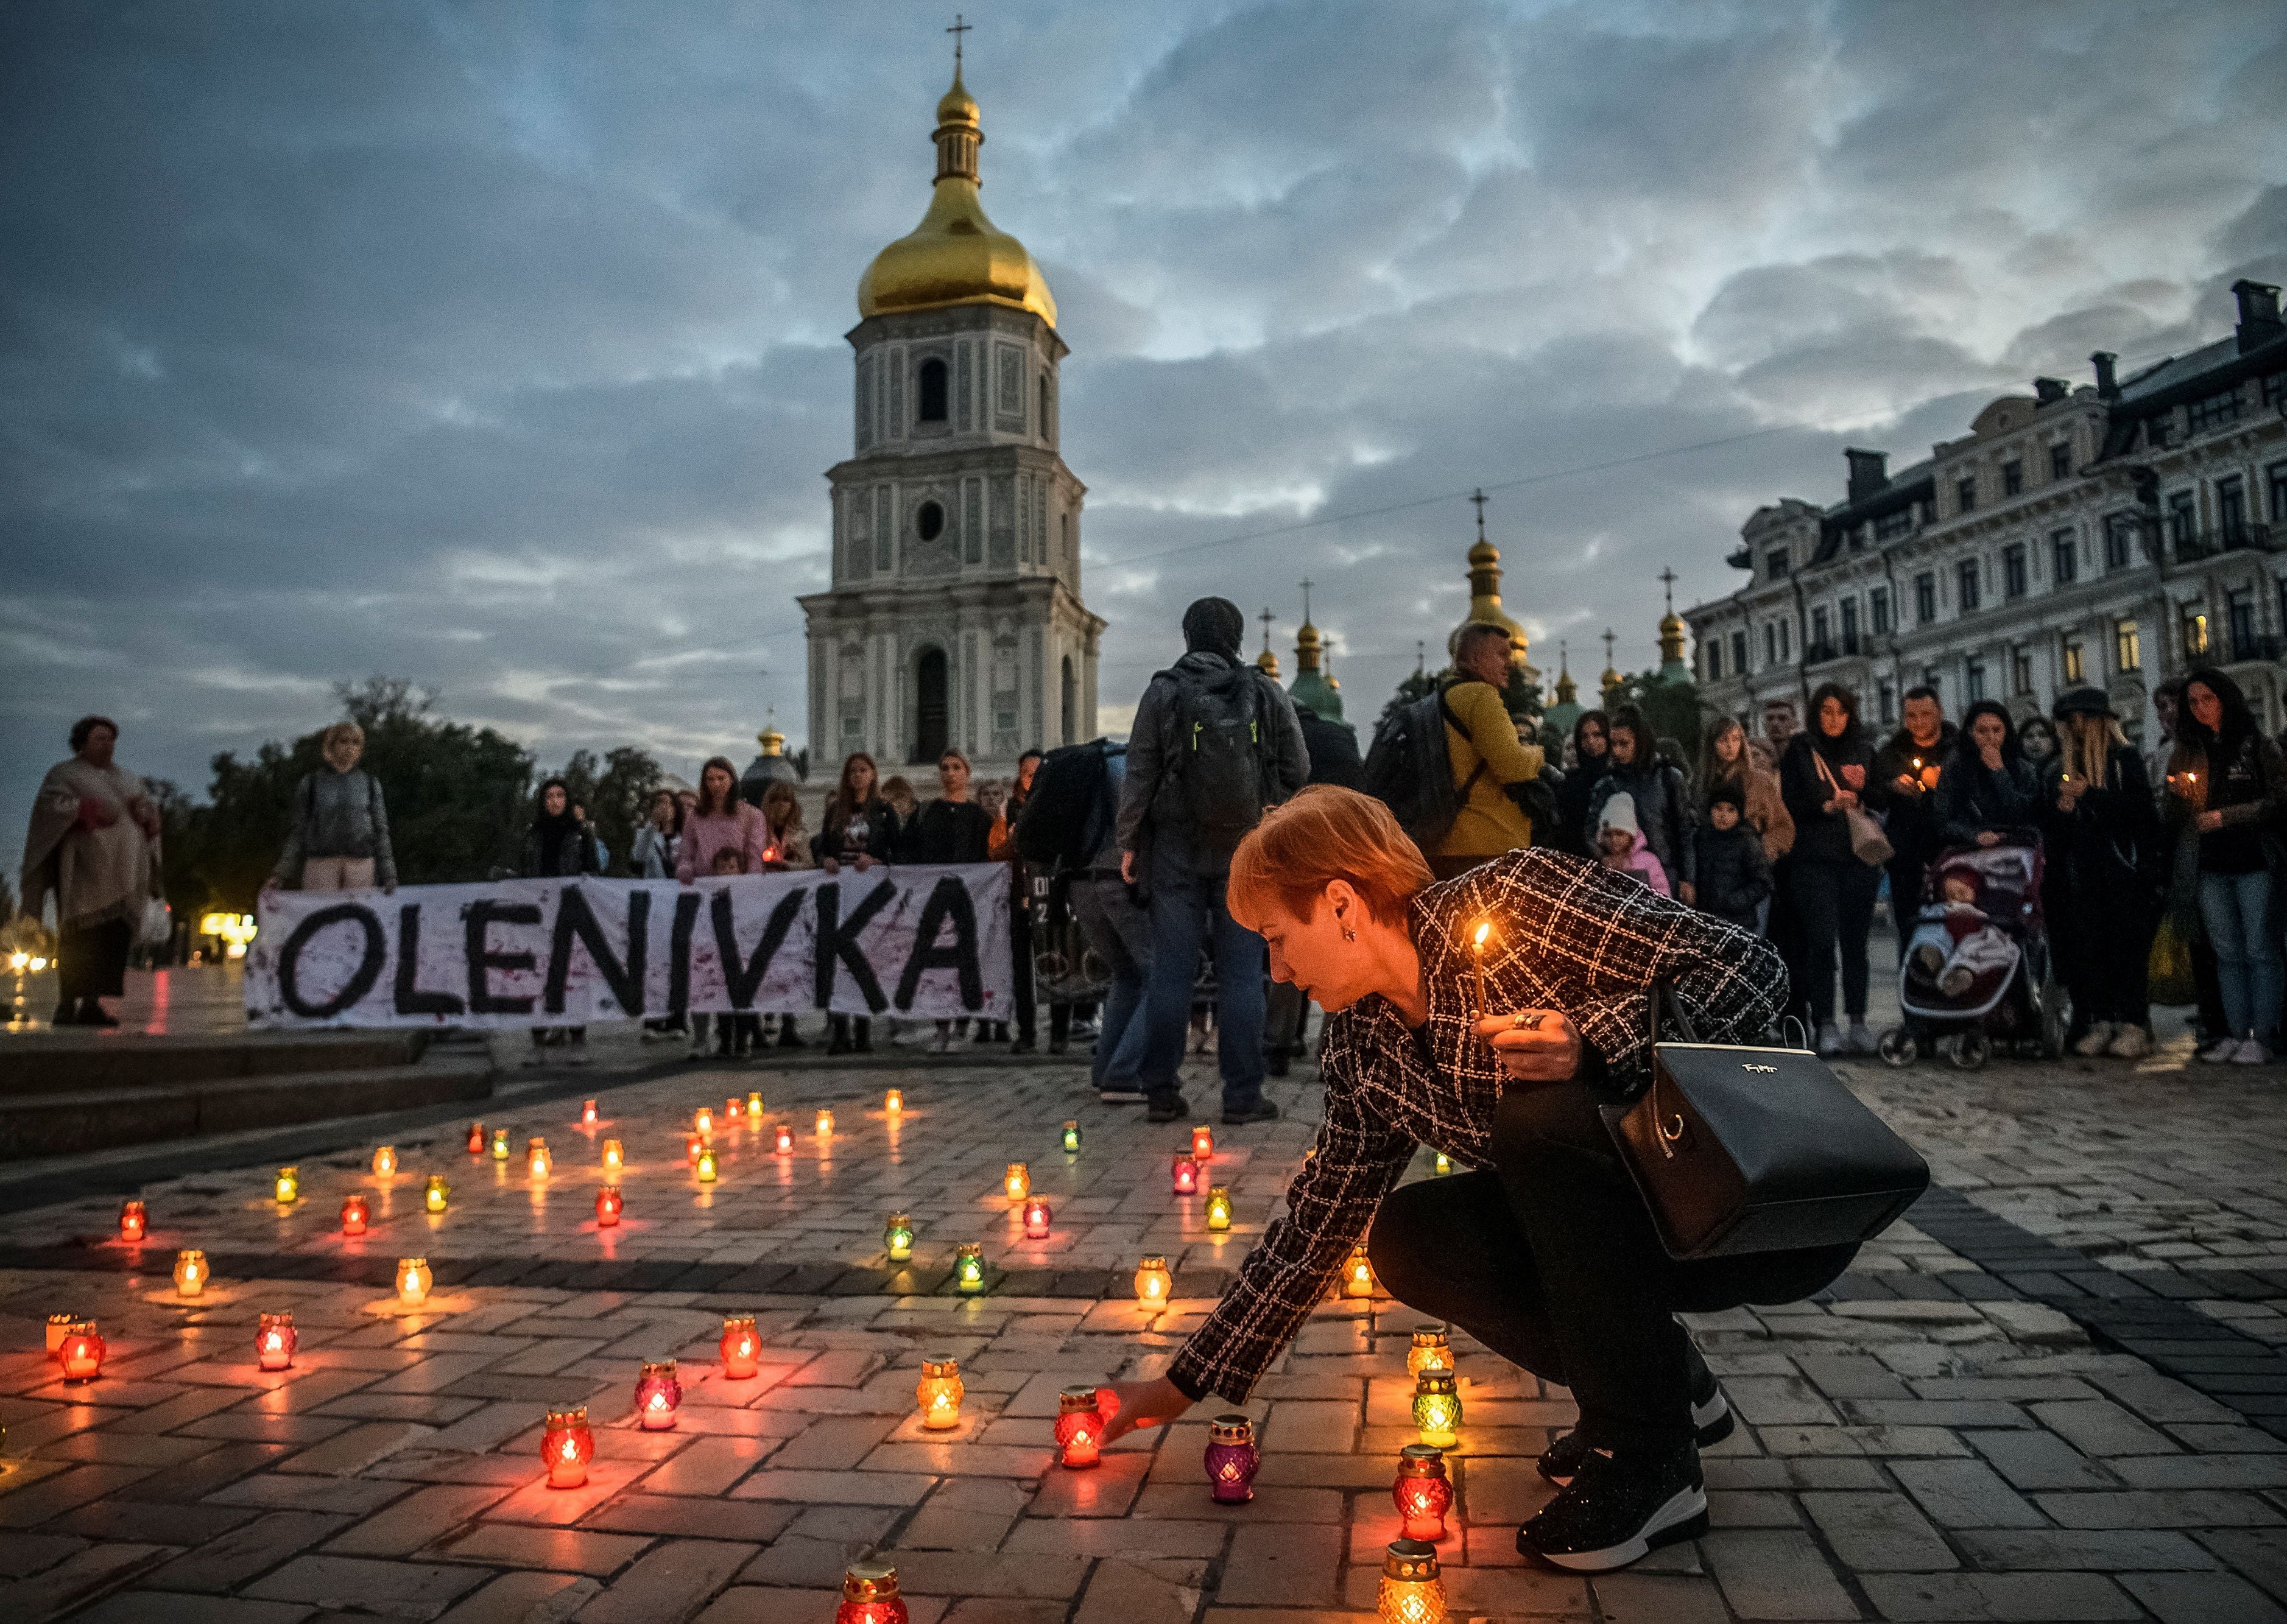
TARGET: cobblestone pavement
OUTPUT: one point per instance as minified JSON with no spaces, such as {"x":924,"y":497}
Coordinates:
{"x":1944,"y":1437}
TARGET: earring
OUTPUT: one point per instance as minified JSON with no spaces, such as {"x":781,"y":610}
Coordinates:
{"x":1349,"y":934}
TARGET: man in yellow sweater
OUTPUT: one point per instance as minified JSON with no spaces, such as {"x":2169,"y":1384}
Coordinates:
{"x":1486,"y":756}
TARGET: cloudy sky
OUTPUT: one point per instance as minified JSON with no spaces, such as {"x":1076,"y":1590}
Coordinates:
{"x":499,"y":346}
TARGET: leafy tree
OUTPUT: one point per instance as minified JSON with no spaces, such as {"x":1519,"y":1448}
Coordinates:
{"x":459,"y":799}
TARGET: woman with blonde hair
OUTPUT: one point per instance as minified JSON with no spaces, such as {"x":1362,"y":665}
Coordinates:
{"x":1546,"y":1254}
{"x":2104,"y":869}
{"x":337,"y":830}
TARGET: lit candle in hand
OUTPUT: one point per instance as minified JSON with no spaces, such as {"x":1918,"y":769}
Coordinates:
{"x":1477,"y":946}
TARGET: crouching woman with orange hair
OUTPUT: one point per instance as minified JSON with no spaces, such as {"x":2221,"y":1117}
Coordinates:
{"x":1546,"y":1254}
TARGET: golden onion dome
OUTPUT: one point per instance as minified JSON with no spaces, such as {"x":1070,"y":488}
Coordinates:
{"x":956,"y":256}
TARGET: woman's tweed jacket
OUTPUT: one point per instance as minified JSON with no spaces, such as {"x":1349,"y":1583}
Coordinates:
{"x":1569,"y":935}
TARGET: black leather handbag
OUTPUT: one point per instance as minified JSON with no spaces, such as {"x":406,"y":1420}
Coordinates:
{"x":1739,"y":1149}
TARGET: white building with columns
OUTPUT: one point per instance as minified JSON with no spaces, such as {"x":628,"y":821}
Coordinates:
{"x":2113,"y":535}
{"x":955,"y":617}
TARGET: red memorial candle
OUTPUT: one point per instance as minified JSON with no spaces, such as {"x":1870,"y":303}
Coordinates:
{"x":134,"y":1221}
{"x":355,"y":1216}
{"x":1079,"y":1427}
{"x":658,"y":1395}
{"x":80,"y":1352}
{"x":568,"y":1446}
{"x":1423,"y":1492}
{"x":609,"y":1204}
{"x":275,"y":1339}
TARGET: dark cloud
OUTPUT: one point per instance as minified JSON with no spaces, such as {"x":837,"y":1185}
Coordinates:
{"x":500,"y":347}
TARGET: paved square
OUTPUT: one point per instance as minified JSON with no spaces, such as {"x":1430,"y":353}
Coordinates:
{"x":1959,"y":1431}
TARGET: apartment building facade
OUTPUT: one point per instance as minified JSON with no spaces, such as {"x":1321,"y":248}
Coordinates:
{"x":2114,"y":534}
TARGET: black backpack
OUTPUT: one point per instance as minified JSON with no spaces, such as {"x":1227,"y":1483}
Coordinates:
{"x":1214,"y":757}
{"x":1066,"y":817}
{"x":1409,"y":767}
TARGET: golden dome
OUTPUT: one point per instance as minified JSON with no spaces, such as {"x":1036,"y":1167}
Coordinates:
{"x":1267,"y":663}
{"x":955,"y":255}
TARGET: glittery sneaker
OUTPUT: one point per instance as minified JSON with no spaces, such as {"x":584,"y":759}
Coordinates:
{"x":1618,"y":1510}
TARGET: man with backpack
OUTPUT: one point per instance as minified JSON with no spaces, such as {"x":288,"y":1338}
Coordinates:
{"x":1450,"y":767}
{"x":1215,"y":743}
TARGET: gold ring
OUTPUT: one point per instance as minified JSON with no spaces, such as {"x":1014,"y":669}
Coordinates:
{"x":1526,"y":1021}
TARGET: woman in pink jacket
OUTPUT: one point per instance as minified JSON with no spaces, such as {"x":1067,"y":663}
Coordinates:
{"x":720,"y":819}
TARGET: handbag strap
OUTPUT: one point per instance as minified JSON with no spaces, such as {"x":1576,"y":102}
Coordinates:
{"x":1663,"y":995}
{"x":1663,"y":1000}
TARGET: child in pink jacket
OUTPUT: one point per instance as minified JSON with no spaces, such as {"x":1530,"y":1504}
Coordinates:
{"x":1622,"y":843}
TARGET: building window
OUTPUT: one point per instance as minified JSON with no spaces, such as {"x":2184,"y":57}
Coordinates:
{"x":2196,"y":636}
{"x":2127,"y":650}
{"x":1739,"y":653}
{"x":1965,"y":585}
{"x":1933,"y":678}
{"x":1786,"y":640}
{"x":928,"y":521}
{"x":1878,"y":610}
{"x":1820,"y":634}
{"x":2076,"y":668}
{"x":2021,"y":671}
{"x":2215,"y":412}
{"x":2276,"y":478}
{"x":2064,"y":558}
{"x":2275,"y":389}
{"x":2183,"y":519}
{"x":1850,"y":626}
{"x":1893,"y":523}
{"x":1886,"y":700}
{"x":1775,"y":562}
{"x":2231,"y":509}
{"x":930,"y":392}
{"x":2013,"y":569}
{"x":2061,"y":462}
{"x":1964,"y":493}
{"x":2157,"y":430}
{"x":1929,"y":510}
{"x":1972,"y":681}
{"x":2239,"y":604}
{"x":2119,"y":539}
{"x":1712,"y":653}
{"x":1770,"y":642}
{"x":2012,"y":477}
{"x":1926,"y":597}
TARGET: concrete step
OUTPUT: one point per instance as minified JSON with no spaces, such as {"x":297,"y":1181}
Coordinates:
{"x":67,"y":1121}
{"x":54,"y":1062}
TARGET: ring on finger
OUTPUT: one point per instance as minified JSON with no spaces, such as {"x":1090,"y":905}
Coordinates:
{"x":1526,"y":1021}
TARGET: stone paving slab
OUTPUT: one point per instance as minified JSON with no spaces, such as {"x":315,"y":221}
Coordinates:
{"x":1930,"y":1441}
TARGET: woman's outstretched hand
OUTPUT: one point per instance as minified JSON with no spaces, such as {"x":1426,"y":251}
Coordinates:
{"x":1126,"y":1405}
{"x":1533,"y":1046}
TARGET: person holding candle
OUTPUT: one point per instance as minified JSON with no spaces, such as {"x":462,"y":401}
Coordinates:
{"x":2226,"y":785}
{"x":557,"y":845}
{"x":2104,"y":860}
{"x":1548,"y":1255}
{"x":1902,"y":788}
{"x":1824,"y":777}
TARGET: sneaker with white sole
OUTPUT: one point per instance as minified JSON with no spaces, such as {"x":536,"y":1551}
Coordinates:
{"x":2131,"y":1043}
{"x":2223,"y":1049}
{"x":2251,"y":1053}
{"x":1619,"y":1509}
{"x":2098,"y":1038}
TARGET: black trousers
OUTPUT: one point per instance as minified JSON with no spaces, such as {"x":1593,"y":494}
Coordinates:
{"x":1020,"y":948}
{"x":1551,"y":1261}
{"x":1835,"y":903}
{"x":92,"y":963}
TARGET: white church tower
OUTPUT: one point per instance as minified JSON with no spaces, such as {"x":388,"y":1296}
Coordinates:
{"x":955,"y":615}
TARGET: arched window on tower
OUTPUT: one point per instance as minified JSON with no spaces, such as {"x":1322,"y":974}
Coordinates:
{"x":1047,"y":433}
{"x":930,"y":392}
{"x":1071,"y":706}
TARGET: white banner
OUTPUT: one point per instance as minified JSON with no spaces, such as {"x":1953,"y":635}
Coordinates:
{"x":929,"y":941}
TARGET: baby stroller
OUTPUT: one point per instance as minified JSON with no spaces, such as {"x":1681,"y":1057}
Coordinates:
{"x":1978,"y":967}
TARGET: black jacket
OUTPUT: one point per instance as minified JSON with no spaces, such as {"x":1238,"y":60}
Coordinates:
{"x":1820,"y":836}
{"x":1735,"y":876}
{"x":1332,"y":749}
{"x":1662,"y":813}
{"x":880,"y":841}
{"x":1149,"y":821}
{"x":1973,"y":799}
{"x":2109,"y":845}
{"x":1573,"y":798}
{"x":1909,"y":818}
{"x":948,"y":832}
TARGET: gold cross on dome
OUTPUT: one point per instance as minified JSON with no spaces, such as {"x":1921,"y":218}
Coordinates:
{"x":1667,"y":579}
{"x":957,"y":30}
{"x":1479,"y":499}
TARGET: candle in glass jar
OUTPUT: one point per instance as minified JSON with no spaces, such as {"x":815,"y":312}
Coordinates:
{"x":1432,"y":1350}
{"x":1219,"y":1208}
{"x":384,"y":1160}
{"x":969,"y":1267}
{"x":476,"y":1138}
{"x":755,"y":1107}
{"x":706,"y":1169}
{"x":894,"y":1100}
{"x":1019,"y":1181}
{"x":1423,"y":1492}
{"x":288,"y":1186}
{"x":609,"y":1204}
{"x":615,"y":1157}
{"x":869,"y":1596}
{"x":1357,"y":1275}
{"x":658,"y":1395}
{"x":1412,"y":1590}
{"x":537,"y":1162}
{"x":1187,"y":1176}
{"x":355,"y":1214}
{"x":1155,"y":1282}
{"x":825,"y":1125}
{"x":786,"y":1138}
{"x":1232,"y":1459}
{"x":1037,"y":1218}
{"x":731,"y":1110}
{"x":500,"y":1144}
{"x":1071,"y":1138}
{"x":81,"y":1352}
{"x":438,"y":1193}
{"x":190,"y":1271}
{"x":414,"y":1279}
{"x":1079,"y":1428}
{"x":134,"y":1221}
{"x":275,"y":1339}
{"x":692,"y":1145}
{"x":1202,"y":1144}
{"x":702,"y":1122}
{"x":1436,"y":1407}
{"x":742,"y":1348}
{"x":939,"y":1392}
{"x":588,"y":1117}
{"x":898,"y":1237}
{"x":567,"y":1445}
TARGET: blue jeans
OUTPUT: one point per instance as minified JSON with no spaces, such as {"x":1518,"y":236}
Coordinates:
{"x":1187,"y":911}
{"x":1119,"y":1061}
{"x":2242,"y":920}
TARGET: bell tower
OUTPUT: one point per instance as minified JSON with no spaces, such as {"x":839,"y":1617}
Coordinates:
{"x":954,"y":618}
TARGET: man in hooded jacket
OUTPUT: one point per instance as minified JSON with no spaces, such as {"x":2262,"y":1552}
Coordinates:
{"x":1902,"y":788}
{"x":1181,"y":812}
